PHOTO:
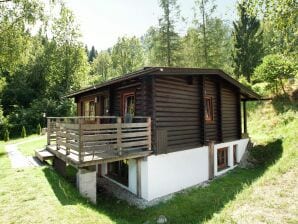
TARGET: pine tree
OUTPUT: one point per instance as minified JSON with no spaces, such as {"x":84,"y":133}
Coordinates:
{"x":168,"y":41}
{"x":38,"y":129}
{"x":6,"y":135}
{"x":92,"y":54}
{"x":248,"y":44}
{"x":23,"y":134}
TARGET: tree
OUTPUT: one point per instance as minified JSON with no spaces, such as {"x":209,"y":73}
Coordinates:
{"x":24,"y":133}
{"x":168,"y":41}
{"x":38,"y":129}
{"x":248,"y":47}
{"x":6,"y":135}
{"x":206,"y":8}
{"x":218,"y":45}
{"x":275,"y":70}
{"x":92,"y":54}
{"x":101,"y":67}
{"x":280,"y":20}
{"x":127,"y":55}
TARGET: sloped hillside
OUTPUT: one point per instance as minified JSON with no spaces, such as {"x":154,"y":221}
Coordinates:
{"x":272,"y":198}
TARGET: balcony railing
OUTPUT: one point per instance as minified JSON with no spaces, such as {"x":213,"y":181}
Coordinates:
{"x":90,"y":138}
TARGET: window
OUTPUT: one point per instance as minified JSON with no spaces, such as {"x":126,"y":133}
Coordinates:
{"x":89,"y":109}
{"x":104,"y":106}
{"x":222,"y":158}
{"x":118,"y":171}
{"x":208,"y":109}
{"x":235,"y":154}
{"x":128,"y":103}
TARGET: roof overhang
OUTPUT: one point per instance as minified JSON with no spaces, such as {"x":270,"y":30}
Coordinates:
{"x":246,"y":92}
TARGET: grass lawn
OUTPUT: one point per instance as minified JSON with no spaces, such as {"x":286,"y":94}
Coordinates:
{"x":29,"y":147}
{"x":265,"y":194}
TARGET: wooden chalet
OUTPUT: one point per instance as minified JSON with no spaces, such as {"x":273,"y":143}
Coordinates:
{"x":152,"y":112}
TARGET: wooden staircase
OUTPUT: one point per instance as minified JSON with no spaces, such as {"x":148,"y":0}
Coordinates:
{"x":44,"y":154}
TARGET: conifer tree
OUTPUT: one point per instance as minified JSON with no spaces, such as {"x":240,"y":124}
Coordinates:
{"x":248,"y":44}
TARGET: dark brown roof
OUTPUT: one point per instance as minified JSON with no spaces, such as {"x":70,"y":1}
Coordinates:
{"x":245,"y":91}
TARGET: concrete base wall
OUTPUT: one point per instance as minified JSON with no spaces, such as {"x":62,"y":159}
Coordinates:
{"x":86,"y":184}
{"x":168,"y":173}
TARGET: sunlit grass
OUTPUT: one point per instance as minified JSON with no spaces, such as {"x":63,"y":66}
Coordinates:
{"x":265,"y":194}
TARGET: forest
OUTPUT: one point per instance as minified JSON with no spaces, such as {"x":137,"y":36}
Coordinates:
{"x":42,"y":57}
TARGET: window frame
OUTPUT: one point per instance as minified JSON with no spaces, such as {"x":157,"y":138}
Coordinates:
{"x":235,"y":147}
{"x":210,"y":118}
{"x":125,"y":95}
{"x":224,"y":164}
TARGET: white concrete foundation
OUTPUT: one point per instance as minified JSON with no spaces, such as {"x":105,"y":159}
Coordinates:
{"x":86,"y":184}
{"x":169,"y":173}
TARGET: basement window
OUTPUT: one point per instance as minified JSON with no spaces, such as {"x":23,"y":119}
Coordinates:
{"x":208,"y":109}
{"x":222,"y":158}
{"x":235,"y":154}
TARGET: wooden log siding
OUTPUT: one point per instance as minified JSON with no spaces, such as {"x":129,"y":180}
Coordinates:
{"x":230,"y":116}
{"x":177,"y":112}
{"x":211,"y":128}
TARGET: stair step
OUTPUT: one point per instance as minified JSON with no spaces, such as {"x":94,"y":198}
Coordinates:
{"x":44,"y":154}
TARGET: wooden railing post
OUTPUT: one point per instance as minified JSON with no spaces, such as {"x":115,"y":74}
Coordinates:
{"x":149,"y":132}
{"x":49,"y":131}
{"x":57,"y":129}
{"x":119,"y":139}
{"x":81,"y":144}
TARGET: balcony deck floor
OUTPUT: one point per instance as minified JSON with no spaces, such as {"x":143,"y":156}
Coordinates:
{"x":89,"y":159}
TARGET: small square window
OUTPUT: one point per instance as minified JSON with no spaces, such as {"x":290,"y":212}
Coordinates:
{"x":222,"y":158}
{"x":208,"y":109}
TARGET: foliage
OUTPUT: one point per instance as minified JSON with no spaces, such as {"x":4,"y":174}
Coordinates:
{"x":23,"y":133}
{"x":126,"y":56}
{"x":6,"y":135}
{"x":101,"y":68}
{"x":92,"y":54}
{"x":275,"y":70}
{"x":168,"y":41}
{"x":280,"y":21}
{"x":38,"y":129}
{"x":247,"y":43}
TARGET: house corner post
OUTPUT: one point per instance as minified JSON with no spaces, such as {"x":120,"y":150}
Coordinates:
{"x":80,"y":140}
{"x":211,"y":159}
{"x":244,"y":118}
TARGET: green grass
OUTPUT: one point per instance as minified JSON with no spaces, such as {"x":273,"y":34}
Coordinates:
{"x":29,"y":147}
{"x":265,"y":194}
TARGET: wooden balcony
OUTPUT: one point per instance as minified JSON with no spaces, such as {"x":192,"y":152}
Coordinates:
{"x":86,"y":141}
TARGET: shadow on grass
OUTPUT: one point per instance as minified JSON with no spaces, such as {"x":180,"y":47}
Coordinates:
{"x":283,"y":104}
{"x":2,"y":153}
{"x":194,"y":206}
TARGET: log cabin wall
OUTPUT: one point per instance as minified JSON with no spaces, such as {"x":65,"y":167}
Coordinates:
{"x":212,"y":131}
{"x":177,"y":113}
{"x":231,"y":121}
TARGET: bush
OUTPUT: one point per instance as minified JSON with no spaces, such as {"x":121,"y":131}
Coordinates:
{"x":23,"y":134}
{"x":6,"y":135}
{"x":38,"y":129}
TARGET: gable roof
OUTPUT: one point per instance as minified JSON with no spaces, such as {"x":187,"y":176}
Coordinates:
{"x":245,"y":91}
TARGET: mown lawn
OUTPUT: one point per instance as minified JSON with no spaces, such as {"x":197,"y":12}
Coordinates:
{"x":265,"y":194}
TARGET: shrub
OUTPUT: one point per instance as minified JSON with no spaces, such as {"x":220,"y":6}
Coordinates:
{"x":23,"y":134}
{"x":38,"y":129}
{"x":6,"y":135}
